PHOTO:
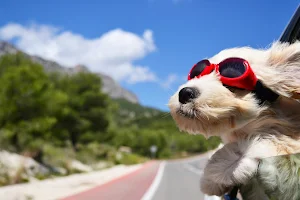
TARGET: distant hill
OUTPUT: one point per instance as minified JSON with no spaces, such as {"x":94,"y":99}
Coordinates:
{"x":110,"y":86}
{"x":129,"y":112}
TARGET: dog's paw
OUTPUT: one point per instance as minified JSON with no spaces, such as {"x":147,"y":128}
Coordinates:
{"x":212,"y":188}
{"x":230,"y":166}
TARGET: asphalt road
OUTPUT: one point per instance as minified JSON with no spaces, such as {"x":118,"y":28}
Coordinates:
{"x":156,"y":180}
{"x":181,"y":180}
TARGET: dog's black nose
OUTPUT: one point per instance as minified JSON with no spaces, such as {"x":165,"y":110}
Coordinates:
{"x":187,"y":94}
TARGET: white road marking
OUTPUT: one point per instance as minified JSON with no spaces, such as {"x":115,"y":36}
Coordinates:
{"x":153,"y":187}
{"x":193,"y":169}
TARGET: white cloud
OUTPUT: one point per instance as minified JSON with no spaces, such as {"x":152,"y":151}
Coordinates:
{"x":112,"y":53}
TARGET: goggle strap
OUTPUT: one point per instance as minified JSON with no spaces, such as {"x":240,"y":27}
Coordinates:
{"x":264,"y":93}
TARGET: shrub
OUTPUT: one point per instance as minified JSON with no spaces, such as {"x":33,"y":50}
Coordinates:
{"x":130,"y":159}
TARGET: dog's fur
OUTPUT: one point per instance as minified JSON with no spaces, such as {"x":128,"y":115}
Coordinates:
{"x":251,"y":132}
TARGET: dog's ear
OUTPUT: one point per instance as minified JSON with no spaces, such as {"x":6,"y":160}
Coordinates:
{"x":286,"y":58}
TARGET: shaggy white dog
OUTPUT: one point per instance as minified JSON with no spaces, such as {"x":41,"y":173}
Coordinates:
{"x":255,"y":135}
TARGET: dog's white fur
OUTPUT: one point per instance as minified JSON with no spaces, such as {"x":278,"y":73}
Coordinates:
{"x":250,"y":132}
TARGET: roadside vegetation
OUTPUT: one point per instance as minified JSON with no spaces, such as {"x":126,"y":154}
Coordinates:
{"x":55,"y":118}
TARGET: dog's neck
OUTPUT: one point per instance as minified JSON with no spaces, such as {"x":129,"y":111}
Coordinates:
{"x":233,"y":136}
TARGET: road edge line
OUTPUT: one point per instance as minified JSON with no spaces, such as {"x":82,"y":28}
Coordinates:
{"x":107,"y":183}
{"x":153,"y":187}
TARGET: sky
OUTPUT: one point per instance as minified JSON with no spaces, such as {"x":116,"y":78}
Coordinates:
{"x":148,"y":46}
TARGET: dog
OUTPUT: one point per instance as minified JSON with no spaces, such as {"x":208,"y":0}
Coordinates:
{"x":261,"y":139}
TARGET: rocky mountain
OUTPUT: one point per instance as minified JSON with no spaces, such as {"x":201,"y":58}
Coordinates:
{"x":110,"y":86}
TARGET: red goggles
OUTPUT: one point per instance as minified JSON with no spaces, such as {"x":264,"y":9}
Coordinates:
{"x":234,"y":72}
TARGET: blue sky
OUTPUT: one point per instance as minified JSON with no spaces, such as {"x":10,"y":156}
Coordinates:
{"x":146,"y":45}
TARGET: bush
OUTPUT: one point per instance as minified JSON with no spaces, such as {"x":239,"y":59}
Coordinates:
{"x":56,"y":156}
{"x":94,"y":152}
{"x":4,"y":175}
{"x":129,"y":159}
{"x":165,"y":153}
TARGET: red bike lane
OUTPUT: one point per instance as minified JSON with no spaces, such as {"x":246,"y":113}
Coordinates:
{"x":130,"y":186}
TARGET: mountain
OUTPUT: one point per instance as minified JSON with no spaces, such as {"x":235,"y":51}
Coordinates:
{"x":110,"y":86}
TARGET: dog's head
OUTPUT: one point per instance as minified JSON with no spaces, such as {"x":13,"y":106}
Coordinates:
{"x":205,"y":106}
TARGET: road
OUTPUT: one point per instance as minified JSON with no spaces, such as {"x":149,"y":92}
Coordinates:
{"x":156,"y":180}
{"x":181,"y":180}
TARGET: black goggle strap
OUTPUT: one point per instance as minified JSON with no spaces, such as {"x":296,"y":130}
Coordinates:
{"x":264,"y":93}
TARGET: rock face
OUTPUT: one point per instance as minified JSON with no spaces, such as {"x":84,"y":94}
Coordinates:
{"x":6,"y":48}
{"x":110,"y":86}
{"x":13,"y":162}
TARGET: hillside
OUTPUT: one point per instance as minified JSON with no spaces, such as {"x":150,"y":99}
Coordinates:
{"x":129,"y":111}
{"x":110,"y":86}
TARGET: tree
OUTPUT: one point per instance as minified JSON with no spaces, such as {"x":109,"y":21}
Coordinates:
{"x":28,"y":101}
{"x":88,"y":112}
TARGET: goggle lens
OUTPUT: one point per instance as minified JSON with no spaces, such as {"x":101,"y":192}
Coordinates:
{"x":198,"y":69}
{"x":232,"y":68}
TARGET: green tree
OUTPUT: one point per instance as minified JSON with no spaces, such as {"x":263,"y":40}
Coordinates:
{"x":28,"y":101}
{"x":87,"y":115}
